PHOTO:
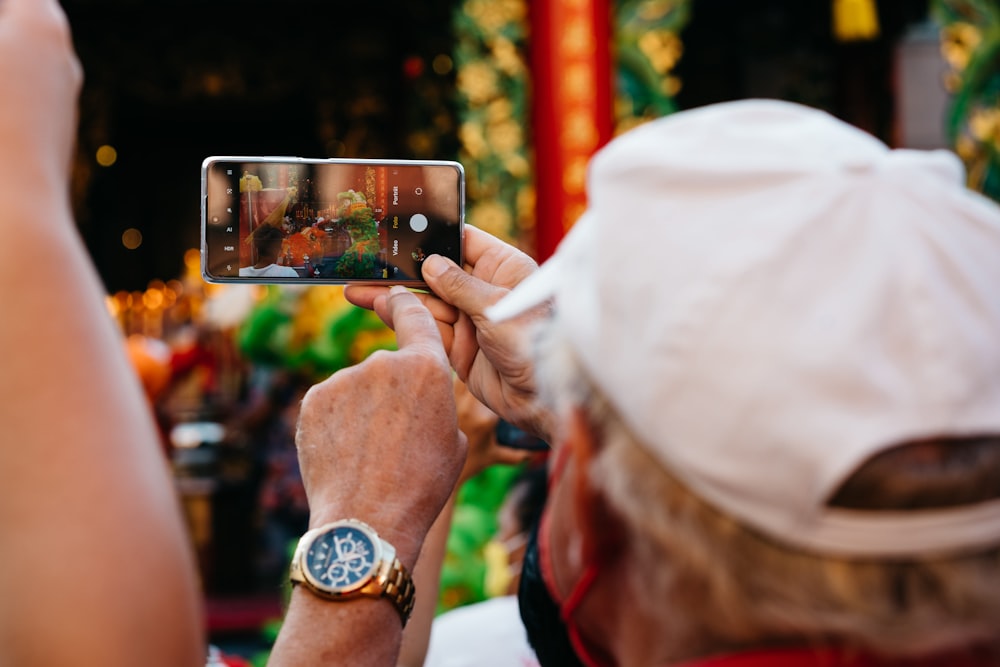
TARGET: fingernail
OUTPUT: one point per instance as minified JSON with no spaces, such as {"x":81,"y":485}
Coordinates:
{"x":398,"y":289}
{"x":435,"y":265}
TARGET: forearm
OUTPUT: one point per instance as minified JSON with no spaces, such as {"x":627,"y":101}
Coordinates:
{"x":96,"y":569}
{"x":100,"y":550}
{"x":377,"y":442}
{"x":363,"y":631}
{"x":317,"y":631}
{"x":427,"y":578}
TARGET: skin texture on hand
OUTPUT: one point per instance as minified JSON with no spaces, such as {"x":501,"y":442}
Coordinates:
{"x":378,"y":442}
{"x":478,"y":423}
{"x":492,"y":358}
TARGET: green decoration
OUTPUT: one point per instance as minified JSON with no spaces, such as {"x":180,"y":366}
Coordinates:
{"x":647,"y":47}
{"x":474,"y":523}
{"x":361,"y":258}
{"x":970,"y":42}
{"x":315,"y":331}
{"x":264,"y":335}
{"x":493,"y":115}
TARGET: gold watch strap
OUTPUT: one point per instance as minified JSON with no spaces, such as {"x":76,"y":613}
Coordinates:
{"x":398,"y":587}
{"x":392,"y":580}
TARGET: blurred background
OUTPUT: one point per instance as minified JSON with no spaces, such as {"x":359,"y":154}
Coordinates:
{"x":520,"y":92}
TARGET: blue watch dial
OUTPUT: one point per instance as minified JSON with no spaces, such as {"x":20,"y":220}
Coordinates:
{"x":341,"y":558}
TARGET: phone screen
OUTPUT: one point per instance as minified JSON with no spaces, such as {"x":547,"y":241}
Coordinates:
{"x":273,"y":220}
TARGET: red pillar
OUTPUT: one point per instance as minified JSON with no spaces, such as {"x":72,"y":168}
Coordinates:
{"x":572,"y":107}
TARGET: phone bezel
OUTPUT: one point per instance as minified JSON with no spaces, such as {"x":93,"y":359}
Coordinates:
{"x":281,"y":159}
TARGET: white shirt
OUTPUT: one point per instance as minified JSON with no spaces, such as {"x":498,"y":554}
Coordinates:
{"x":269,"y":271}
{"x":484,"y":634}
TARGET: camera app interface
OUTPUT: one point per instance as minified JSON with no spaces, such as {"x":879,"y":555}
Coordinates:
{"x":338,"y":221}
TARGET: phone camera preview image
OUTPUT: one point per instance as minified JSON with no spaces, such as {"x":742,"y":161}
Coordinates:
{"x":330,"y":221}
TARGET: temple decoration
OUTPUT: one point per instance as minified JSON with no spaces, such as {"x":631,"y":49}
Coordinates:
{"x":598,"y":68}
{"x":492,"y":90}
{"x":970,"y":44}
{"x":571,"y":64}
{"x":647,"y":47}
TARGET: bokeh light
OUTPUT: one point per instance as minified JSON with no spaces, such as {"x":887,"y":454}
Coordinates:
{"x":106,"y":155}
{"x":131,"y":238}
{"x":442,"y":64}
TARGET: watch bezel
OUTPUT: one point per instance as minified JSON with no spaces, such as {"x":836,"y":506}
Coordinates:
{"x":351,"y":590}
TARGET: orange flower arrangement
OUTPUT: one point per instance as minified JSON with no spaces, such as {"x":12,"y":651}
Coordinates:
{"x":309,"y":241}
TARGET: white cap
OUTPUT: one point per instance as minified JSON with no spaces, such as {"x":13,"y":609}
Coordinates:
{"x":769,"y":297}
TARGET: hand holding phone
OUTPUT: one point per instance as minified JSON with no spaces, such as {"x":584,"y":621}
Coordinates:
{"x":299,"y":220}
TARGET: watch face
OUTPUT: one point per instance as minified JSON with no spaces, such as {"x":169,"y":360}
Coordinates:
{"x":342,"y":558}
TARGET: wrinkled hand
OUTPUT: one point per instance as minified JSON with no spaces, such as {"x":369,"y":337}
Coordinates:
{"x":478,"y":423}
{"x":379,"y":441}
{"x":493,"y":359}
{"x":41,"y":77}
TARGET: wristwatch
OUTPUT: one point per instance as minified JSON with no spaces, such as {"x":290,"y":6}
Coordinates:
{"x":346,"y":559}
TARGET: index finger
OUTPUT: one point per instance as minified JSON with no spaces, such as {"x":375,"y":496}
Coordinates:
{"x":414,"y":325}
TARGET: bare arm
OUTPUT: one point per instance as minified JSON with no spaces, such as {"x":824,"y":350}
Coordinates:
{"x":377,"y":442}
{"x":96,"y":569}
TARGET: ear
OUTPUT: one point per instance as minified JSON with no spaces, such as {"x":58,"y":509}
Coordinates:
{"x":601,"y":528}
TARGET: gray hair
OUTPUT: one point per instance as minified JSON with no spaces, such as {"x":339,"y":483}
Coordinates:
{"x":713,"y":584}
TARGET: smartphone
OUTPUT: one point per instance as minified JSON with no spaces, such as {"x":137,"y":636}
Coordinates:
{"x":509,"y":435}
{"x":338,"y":221}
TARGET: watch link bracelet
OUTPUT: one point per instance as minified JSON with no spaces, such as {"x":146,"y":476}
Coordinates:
{"x":346,"y":560}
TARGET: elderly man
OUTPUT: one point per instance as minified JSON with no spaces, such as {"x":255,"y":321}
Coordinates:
{"x":768,"y":359}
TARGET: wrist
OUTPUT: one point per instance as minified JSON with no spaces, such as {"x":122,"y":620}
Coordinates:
{"x":347,"y":560}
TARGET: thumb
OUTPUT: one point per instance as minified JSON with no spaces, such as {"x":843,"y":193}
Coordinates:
{"x":456,"y":287}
